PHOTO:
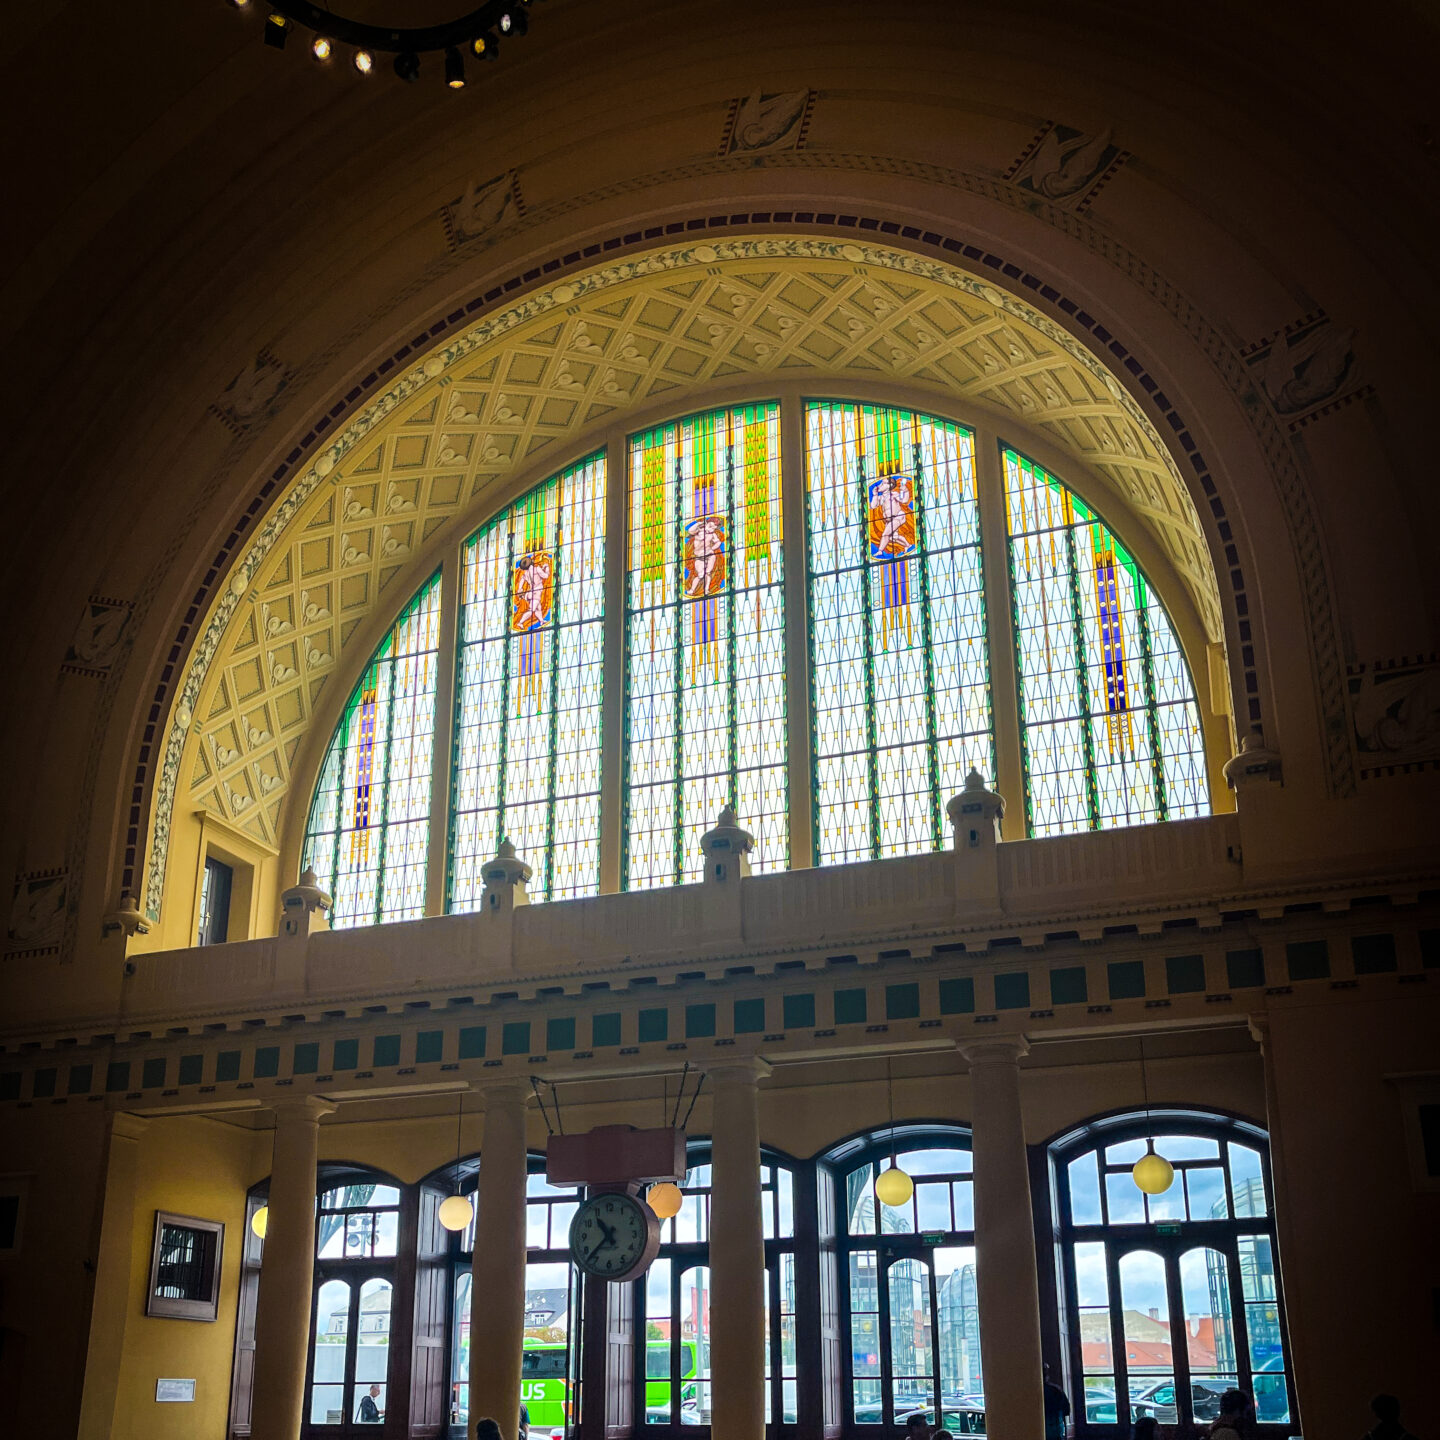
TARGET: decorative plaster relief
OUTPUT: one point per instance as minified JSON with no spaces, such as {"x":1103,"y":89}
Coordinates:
{"x":1067,"y":166}
{"x":1395,"y":711}
{"x":37,"y":913}
{"x":253,"y":396}
{"x":1309,"y":363}
{"x":98,"y":636}
{"x":757,"y":123}
{"x":484,"y":207}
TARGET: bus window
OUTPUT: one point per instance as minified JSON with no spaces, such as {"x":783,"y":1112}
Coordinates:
{"x":544,"y":1364}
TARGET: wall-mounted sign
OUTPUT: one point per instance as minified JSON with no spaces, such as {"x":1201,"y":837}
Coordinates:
{"x":1168,"y":1227}
{"x":932,"y":1237}
{"x":174,"y":1392}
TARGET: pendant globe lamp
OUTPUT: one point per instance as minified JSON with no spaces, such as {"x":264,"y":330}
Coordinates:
{"x":666,"y":1198}
{"x":456,"y":1211}
{"x":1153,"y":1173}
{"x":893,"y":1187}
{"x":260,"y":1220}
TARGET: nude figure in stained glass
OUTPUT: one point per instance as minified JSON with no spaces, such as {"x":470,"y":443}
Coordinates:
{"x":704,"y":553}
{"x":532,"y":591}
{"x":891,"y":496}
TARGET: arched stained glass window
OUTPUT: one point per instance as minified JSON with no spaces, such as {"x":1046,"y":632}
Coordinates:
{"x":895,"y":627}
{"x":1109,"y":724}
{"x":368,"y":835}
{"x":705,"y":643}
{"x":528,"y":690}
{"x":900,"y":665}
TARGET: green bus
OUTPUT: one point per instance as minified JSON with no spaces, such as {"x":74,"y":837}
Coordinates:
{"x":545,"y":1386}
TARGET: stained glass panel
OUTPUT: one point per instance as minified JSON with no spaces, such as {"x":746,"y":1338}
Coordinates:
{"x":528,"y":690}
{"x":705,"y":643}
{"x":1110,"y":727}
{"x":900,"y":669}
{"x":368,"y":834}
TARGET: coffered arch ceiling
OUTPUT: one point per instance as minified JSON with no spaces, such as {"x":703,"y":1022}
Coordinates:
{"x":453,"y":434}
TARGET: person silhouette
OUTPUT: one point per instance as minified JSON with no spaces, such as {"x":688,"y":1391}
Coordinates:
{"x":1388,"y":1426}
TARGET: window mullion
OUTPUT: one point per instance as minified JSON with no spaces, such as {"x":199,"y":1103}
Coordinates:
{"x":1152,"y":715}
{"x":505,"y":643}
{"x":799,"y":660}
{"x":1082,"y":673}
{"x":922,"y":557}
{"x":557,"y":603}
{"x":872,"y":756}
{"x":443,"y":757}
{"x":614,"y":663}
{"x":1006,"y":721}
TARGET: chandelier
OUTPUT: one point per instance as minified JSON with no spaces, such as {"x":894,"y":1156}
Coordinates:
{"x":477,"y":34}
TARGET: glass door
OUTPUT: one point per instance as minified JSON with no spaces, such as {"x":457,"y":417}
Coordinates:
{"x":350,"y":1353}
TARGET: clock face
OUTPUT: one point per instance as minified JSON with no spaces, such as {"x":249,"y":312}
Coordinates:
{"x":609,"y":1235}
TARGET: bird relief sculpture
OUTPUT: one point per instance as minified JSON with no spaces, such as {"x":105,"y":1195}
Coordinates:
{"x":37,"y":913}
{"x":1063,"y":163}
{"x":757,"y":123}
{"x":254,"y":393}
{"x":1396,"y":714}
{"x":96,"y":643}
{"x":480,"y":209}
{"x":1305,"y":366}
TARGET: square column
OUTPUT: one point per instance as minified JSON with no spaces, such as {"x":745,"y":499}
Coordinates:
{"x":1007,"y":1286}
{"x":497,"y":1265}
{"x":287,"y":1272}
{"x":737,"y":1254}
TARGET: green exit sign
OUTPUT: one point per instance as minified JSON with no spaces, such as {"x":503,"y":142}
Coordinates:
{"x":1168,"y":1227}
{"x":932,"y":1237}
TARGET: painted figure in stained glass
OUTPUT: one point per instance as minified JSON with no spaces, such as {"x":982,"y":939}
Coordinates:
{"x":892,"y":516}
{"x":533,"y":591}
{"x":705,"y":552}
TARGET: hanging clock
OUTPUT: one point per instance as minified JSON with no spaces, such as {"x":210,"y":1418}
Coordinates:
{"x":614,"y":1236}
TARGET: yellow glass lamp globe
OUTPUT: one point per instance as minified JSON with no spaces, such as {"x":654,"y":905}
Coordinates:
{"x":456,"y":1212}
{"x":665,"y":1199}
{"x":260,"y":1221}
{"x":1153,"y":1173}
{"x":894,"y":1187}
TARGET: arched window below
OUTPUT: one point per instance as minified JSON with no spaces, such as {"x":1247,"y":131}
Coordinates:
{"x":907,"y":1282}
{"x":1171,"y":1299}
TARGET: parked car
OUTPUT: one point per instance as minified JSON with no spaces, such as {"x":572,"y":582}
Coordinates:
{"x":1272,"y":1398}
{"x":1158,"y":1399}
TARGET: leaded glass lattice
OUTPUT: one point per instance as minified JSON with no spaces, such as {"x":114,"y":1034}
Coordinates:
{"x":705,"y":643}
{"x":1109,"y":725}
{"x":900,"y":670}
{"x":528,"y":690}
{"x":367,"y":839}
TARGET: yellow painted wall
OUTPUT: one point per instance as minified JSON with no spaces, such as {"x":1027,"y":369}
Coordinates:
{"x":1361,"y":1254}
{"x":189,"y":1165}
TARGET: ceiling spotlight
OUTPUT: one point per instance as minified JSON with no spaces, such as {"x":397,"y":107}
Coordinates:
{"x":454,"y":69}
{"x":514,"y":22}
{"x":485,"y":45}
{"x":239,"y":4}
{"x":363,"y":61}
{"x":277,"y":31}
{"x":320,"y":48}
{"x":407,"y":65}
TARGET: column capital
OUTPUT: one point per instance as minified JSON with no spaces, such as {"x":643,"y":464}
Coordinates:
{"x":1259,"y":1026}
{"x":301,"y":1109}
{"x":504,"y":1089}
{"x":741,"y":1070}
{"x":996,"y":1050}
{"x":124,"y":1126}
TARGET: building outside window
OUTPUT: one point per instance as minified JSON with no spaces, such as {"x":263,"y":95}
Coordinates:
{"x":1169,"y":1299}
